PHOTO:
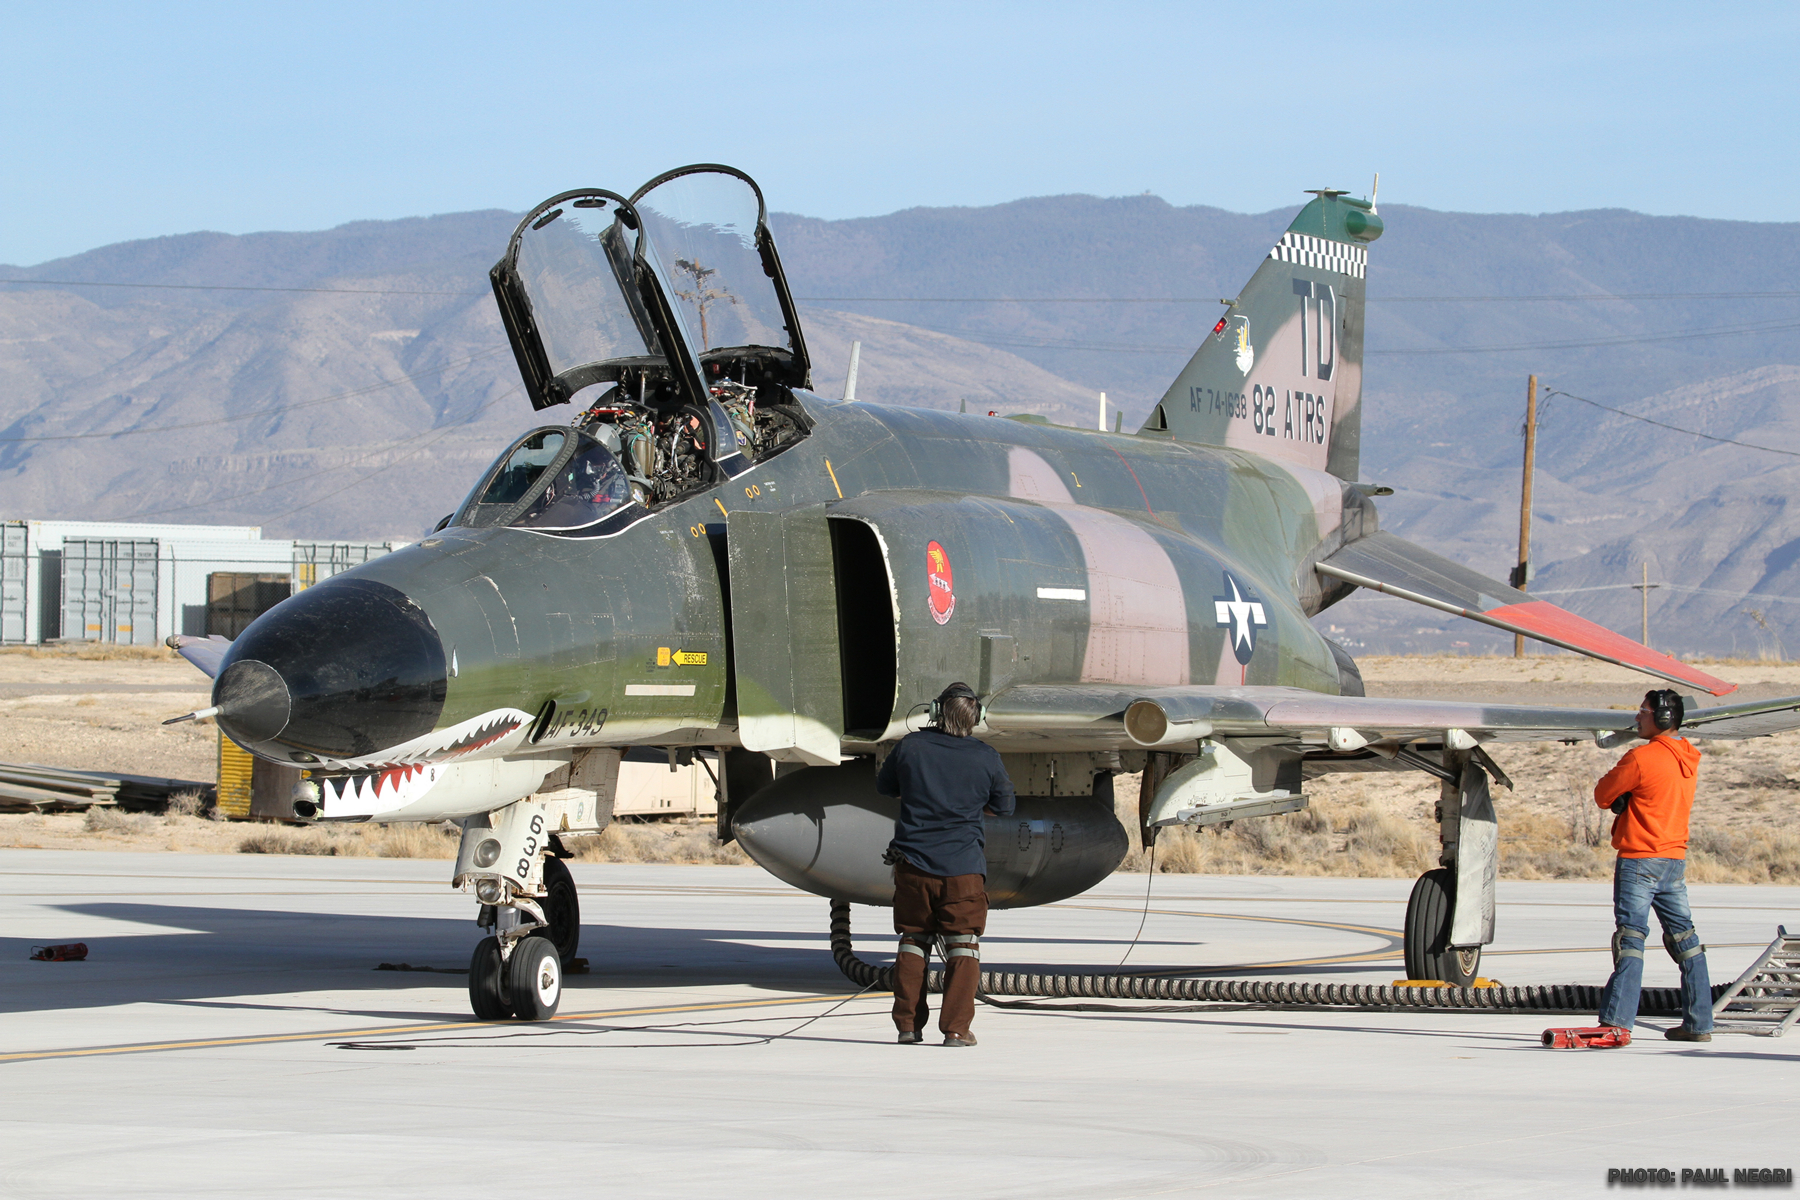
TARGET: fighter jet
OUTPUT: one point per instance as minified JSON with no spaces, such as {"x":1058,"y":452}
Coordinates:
{"x":708,"y":560}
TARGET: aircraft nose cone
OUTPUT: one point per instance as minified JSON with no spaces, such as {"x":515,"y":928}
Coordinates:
{"x":343,"y":670}
{"x":253,"y":700}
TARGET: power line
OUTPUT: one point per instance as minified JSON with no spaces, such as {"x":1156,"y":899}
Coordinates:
{"x":1372,"y":299}
{"x":231,"y":287}
{"x":263,"y":412}
{"x":1675,"y":428}
{"x":1590,"y":296}
{"x":1591,"y":343}
{"x":1674,"y":587}
{"x":351,"y":291}
{"x":1029,"y":342}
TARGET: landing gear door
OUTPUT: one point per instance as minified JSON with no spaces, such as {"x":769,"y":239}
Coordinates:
{"x":1477,"y":862}
{"x":785,"y":635}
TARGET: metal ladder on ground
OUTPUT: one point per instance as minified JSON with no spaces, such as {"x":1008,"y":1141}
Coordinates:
{"x":1766,"y":998}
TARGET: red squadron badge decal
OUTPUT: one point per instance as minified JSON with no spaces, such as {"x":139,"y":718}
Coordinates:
{"x":938,"y":579}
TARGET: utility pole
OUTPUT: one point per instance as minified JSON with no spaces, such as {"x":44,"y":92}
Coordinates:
{"x":1644,"y":590}
{"x":1521,"y":575}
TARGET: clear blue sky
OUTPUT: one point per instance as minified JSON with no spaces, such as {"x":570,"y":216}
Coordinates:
{"x":126,"y":121}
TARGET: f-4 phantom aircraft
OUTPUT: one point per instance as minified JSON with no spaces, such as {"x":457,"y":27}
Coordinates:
{"x":712,"y":561}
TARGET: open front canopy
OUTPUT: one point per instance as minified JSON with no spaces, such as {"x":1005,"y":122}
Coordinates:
{"x":569,"y":299}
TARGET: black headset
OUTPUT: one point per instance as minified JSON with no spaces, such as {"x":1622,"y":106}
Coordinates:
{"x":1666,"y":709}
{"x":956,"y":691}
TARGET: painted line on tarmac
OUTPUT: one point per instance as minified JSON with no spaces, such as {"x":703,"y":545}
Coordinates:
{"x":1387,"y":953}
{"x":1486,"y":953}
{"x":390,"y":1030}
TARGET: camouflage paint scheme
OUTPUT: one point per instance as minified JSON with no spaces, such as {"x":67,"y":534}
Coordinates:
{"x":808,"y":606}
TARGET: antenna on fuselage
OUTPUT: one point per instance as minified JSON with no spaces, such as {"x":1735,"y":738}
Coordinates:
{"x":850,"y":380}
{"x":1373,"y":190}
{"x":1102,"y":425}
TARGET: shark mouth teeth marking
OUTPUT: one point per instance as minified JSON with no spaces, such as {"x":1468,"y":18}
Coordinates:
{"x":491,"y":731}
{"x":487,"y":735}
{"x":373,"y":787}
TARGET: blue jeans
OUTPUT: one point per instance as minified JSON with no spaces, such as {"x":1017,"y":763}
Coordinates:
{"x":1640,"y":884}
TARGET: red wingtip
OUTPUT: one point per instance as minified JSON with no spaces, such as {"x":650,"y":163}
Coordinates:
{"x":1542,"y":618}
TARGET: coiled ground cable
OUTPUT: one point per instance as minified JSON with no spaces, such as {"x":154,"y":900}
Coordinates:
{"x":1564,"y":998}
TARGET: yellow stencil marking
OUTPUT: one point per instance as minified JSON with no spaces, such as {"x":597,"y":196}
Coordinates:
{"x":690,"y":658}
{"x":662,"y":656}
{"x":722,"y":511}
{"x":834,"y":482}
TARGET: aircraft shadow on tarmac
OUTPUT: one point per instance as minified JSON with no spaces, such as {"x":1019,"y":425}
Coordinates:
{"x":207,"y":953}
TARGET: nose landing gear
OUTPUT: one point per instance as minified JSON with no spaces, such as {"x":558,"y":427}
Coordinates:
{"x":529,"y":905}
{"x":516,"y":972}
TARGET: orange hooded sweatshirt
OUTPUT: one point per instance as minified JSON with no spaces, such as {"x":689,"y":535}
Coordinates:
{"x":1661,"y":777}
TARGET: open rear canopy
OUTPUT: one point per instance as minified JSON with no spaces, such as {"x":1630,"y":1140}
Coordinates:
{"x":679,"y":283}
{"x":710,"y":228}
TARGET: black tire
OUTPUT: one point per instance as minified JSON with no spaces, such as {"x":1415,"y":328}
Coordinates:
{"x":1428,"y":952}
{"x":562,"y":908}
{"x":488,"y":996}
{"x":534,"y":976}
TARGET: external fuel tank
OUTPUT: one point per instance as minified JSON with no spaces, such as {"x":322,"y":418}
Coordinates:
{"x":824,"y":829}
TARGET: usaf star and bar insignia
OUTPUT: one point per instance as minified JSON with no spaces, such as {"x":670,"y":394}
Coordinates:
{"x":1242,"y":615}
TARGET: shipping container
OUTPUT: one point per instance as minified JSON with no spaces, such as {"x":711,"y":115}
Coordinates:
{"x":109,"y":590}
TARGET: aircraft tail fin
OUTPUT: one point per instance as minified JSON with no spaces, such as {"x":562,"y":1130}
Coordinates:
{"x":1281,"y":372}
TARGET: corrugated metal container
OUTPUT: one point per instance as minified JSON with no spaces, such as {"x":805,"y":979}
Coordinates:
{"x":197,"y":561}
{"x":14,"y":569}
{"x":109,"y":590}
{"x":315,"y":562}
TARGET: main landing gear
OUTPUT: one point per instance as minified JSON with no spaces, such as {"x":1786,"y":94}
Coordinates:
{"x":1429,"y":954}
{"x":1450,"y":915}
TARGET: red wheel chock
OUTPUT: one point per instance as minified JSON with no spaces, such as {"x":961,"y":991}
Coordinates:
{"x":1590,"y":1037}
{"x":67,"y":952}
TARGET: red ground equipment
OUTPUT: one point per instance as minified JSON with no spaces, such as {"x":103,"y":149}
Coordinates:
{"x":67,"y":952}
{"x":1589,"y":1037}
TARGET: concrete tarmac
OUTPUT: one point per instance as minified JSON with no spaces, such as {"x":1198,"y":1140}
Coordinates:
{"x":231,"y":1035}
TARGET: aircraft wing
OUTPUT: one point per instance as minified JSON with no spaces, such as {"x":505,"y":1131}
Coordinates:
{"x":204,"y":652}
{"x":1383,"y":562}
{"x":1114,"y":717}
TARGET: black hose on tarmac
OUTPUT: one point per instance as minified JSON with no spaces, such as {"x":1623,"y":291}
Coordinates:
{"x":1564,"y":998}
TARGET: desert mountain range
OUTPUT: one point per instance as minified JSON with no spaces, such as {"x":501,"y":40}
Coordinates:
{"x":365,"y":409}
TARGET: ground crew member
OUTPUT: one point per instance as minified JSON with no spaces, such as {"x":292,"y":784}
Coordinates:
{"x":1652,"y":790}
{"x":945,"y":780}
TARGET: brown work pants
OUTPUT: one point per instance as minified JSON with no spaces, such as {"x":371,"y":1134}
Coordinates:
{"x":929,"y":905}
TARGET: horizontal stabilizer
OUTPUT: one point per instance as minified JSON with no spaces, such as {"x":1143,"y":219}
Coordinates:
{"x":1385,"y":563}
{"x":204,"y":652}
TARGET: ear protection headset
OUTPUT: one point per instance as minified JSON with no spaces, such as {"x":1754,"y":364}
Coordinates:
{"x":956,"y":691}
{"x":1666,"y":709}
